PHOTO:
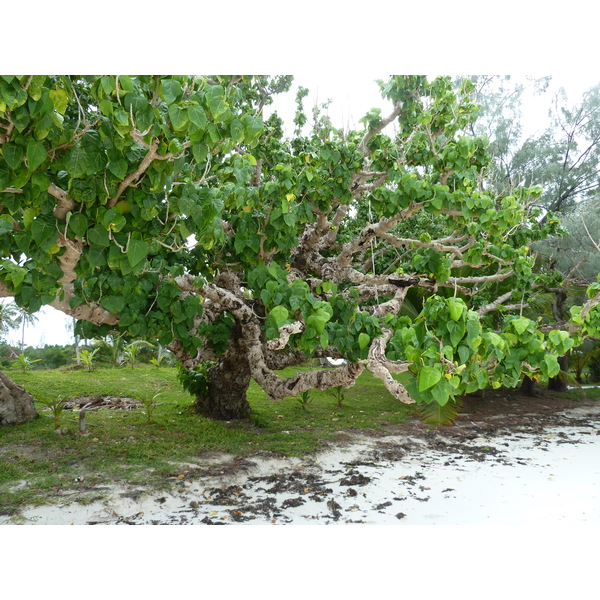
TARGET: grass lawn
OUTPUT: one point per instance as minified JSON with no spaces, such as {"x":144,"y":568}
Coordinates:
{"x":124,"y":446}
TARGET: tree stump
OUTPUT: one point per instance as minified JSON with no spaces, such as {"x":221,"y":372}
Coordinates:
{"x":16,"y":404}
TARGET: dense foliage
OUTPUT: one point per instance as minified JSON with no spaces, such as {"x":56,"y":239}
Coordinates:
{"x":167,"y":208}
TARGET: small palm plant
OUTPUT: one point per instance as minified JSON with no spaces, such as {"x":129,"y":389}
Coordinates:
{"x":113,"y":343}
{"x":86,"y":358}
{"x":161,"y":357}
{"x":150,"y":405}
{"x":56,"y":406}
{"x":131,"y":351}
{"x":304,"y":399}
{"x":339,"y":393}
{"x":24,"y":362}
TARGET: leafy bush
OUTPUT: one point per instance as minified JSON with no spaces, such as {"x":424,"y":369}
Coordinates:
{"x":195,"y":381}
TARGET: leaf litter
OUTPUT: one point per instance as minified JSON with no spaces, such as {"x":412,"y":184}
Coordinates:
{"x":516,"y":468}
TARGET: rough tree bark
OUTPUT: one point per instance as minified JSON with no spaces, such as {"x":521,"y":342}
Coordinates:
{"x":228,"y":382}
{"x":16,"y":404}
{"x":528,"y":387}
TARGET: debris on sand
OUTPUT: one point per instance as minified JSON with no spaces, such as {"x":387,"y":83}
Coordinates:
{"x":537,"y":469}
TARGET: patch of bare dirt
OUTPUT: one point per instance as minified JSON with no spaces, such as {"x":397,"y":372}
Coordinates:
{"x":500,"y":411}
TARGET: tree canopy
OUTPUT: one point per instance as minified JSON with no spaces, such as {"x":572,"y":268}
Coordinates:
{"x":167,"y":207}
{"x":564,"y":158}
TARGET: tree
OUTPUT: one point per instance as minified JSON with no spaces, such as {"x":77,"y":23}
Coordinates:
{"x":564,"y":159}
{"x":168,"y":208}
{"x":25,"y":318}
{"x":9,"y":317}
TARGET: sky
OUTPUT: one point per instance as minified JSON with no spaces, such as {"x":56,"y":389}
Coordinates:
{"x":337,"y":51}
{"x":334,"y":44}
{"x":352,"y":96}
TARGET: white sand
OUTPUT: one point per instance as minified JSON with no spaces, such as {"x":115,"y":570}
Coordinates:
{"x":526,"y":479}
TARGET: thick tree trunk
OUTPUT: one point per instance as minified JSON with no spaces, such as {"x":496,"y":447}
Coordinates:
{"x":528,"y":387}
{"x":16,"y":404}
{"x":228,"y":383}
{"x":559,"y":384}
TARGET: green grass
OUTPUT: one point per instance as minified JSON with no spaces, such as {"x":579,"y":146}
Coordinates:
{"x":36,"y":464}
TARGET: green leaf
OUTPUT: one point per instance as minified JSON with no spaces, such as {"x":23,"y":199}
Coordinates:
{"x":236,"y":131}
{"x":20,"y":118}
{"x":280,"y":314}
{"x":137,"y":251}
{"x":78,"y":224}
{"x":200,"y":152}
{"x":35,"y":88}
{"x":520,"y":325}
{"x":113,"y":304}
{"x":552,"y":365}
{"x":106,"y":107}
{"x":317,"y":321}
{"x":113,"y":220}
{"x":178,"y":117}
{"x":98,"y":236}
{"x":18,"y":275}
{"x":428,"y":377}
{"x":441,"y":392}
{"x":43,"y":127}
{"x":456,"y":330}
{"x":96,"y":256}
{"x":175,"y":147}
{"x":60,"y":100}
{"x":108,"y":84}
{"x":77,"y":162}
{"x":197,"y":116}
{"x":36,"y":154}
{"x":363,"y":340}
{"x":12,"y":155}
{"x":121,"y":117}
{"x":170,"y":89}
{"x":13,"y":95}
{"x":456,"y":308}
{"x":126,"y":83}
{"x":253,"y":127}
{"x":561,"y":341}
{"x":44,"y":233}
{"x":215,"y":97}
{"x":118,"y":168}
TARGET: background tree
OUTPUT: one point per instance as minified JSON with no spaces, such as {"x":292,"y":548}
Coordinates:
{"x":565,"y":160}
{"x":25,"y":318}
{"x":9,"y":317}
{"x":166,"y":208}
